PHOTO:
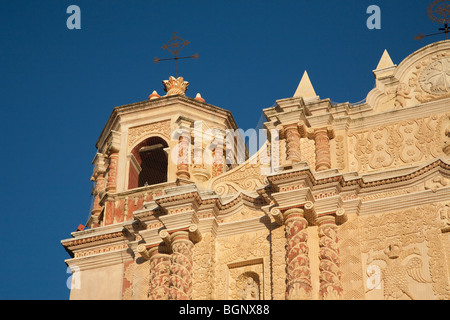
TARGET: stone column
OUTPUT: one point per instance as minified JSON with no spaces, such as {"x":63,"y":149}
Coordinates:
{"x":298,"y":273}
{"x":111,"y":183}
{"x":159,"y":273}
{"x":292,"y":136}
{"x":99,"y":179}
{"x":181,"y":266}
{"x":322,"y":138}
{"x":217,"y":166}
{"x":329,"y":265}
{"x":184,"y":143}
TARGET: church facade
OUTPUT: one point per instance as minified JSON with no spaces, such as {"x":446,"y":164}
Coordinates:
{"x":341,"y":202}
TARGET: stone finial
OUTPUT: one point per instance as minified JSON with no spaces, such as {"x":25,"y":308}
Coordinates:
{"x":154,"y":95}
{"x":175,"y":86}
{"x":385,"y":61}
{"x":305,"y":88}
{"x":199,"y":98}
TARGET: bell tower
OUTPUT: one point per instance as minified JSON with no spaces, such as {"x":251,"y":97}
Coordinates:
{"x":149,"y":145}
{"x":145,"y":148}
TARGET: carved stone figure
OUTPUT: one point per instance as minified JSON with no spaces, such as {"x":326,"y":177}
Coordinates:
{"x":395,"y":273}
{"x":250,"y":291}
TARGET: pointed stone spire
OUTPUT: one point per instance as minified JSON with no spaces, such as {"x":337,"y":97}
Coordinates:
{"x":385,"y":61}
{"x":305,"y":88}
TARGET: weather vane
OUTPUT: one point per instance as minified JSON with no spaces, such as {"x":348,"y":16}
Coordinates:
{"x":174,"y":46}
{"x":438,"y":11}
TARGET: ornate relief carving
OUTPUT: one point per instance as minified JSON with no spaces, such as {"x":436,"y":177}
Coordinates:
{"x":137,"y":134}
{"x":141,"y":277}
{"x":403,"y":233}
{"x":159,"y":275}
{"x":435,"y":78}
{"x":444,"y":214}
{"x":244,"y":213}
{"x":204,"y":260}
{"x":278,"y":249}
{"x":395,"y":273}
{"x":181,"y":267}
{"x":351,"y":264}
{"x":307,"y":147}
{"x":445,"y":132}
{"x":400,"y":94}
{"x":340,"y":152}
{"x":395,"y":144}
{"x":245,"y":282}
{"x":248,"y":286}
{"x":298,"y":277}
{"x":239,"y":254}
{"x":246,"y":177}
{"x":431,"y":77}
{"x":329,"y":267}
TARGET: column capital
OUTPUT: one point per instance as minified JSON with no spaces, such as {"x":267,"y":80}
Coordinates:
{"x":113,"y":142}
{"x":339,"y":216}
{"x":306,"y":210}
{"x":312,"y":133}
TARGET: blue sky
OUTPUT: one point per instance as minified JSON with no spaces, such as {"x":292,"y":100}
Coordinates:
{"x":59,"y":86}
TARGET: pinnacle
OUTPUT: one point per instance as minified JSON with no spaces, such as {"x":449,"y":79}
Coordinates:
{"x":385,"y":61}
{"x":305,"y":88}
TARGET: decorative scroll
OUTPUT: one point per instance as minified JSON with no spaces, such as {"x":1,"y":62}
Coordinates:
{"x":246,"y":177}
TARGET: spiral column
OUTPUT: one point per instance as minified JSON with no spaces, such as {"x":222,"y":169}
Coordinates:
{"x":112,"y":174}
{"x":292,"y":136}
{"x":183,"y":155}
{"x":329,"y":265}
{"x":181,"y":266}
{"x":322,"y":138}
{"x":159,"y":273}
{"x":298,"y":273}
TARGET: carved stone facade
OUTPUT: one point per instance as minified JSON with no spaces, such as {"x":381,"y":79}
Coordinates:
{"x":353,"y":204}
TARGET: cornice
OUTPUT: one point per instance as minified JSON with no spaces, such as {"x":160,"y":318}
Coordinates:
{"x":120,"y":111}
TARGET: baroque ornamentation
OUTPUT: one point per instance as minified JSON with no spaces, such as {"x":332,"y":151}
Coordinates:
{"x":329,"y":266}
{"x":159,"y":275}
{"x":203,"y":259}
{"x":181,"y":267}
{"x":386,"y":236}
{"x":175,"y":86}
{"x":137,"y":134}
{"x":237,"y":255}
{"x":350,"y":253}
{"x":248,"y":286}
{"x":298,"y":277}
{"x":400,"y":93}
{"x":395,"y":144}
{"x":431,"y":77}
{"x":395,"y":273}
{"x":244,"y":177}
{"x":292,"y":142}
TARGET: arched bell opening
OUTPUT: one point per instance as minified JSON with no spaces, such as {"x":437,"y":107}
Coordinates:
{"x":148,"y":163}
